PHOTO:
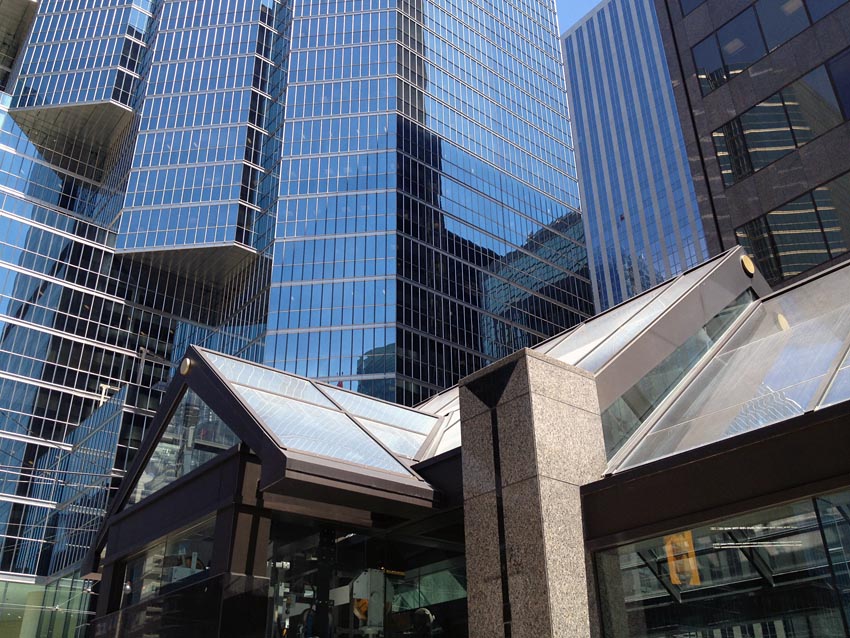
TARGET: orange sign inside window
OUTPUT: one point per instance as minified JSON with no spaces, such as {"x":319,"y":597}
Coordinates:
{"x":681,"y":558}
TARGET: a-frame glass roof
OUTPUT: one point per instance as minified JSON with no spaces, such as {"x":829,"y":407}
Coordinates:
{"x":319,"y":419}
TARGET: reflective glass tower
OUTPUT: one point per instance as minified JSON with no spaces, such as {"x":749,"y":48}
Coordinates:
{"x":377,"y":193}
{"x":641,"y":214}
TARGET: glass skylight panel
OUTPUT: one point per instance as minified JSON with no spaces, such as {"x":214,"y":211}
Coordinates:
{"x":309,"y":428}
{"x":450,"y":437}
{"x":595,"y":360}
{"x":772,"y":376}
{"x":579,"y":342}
{"x":255,"y":376}
{"x":441,"y":403}
{"x":840,"y":389}
{"x":399,"y":441}
{"x":364,"y":406}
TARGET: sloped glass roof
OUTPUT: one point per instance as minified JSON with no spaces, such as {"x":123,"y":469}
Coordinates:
{"x":595,"y":342}
{"x":309,"y":428}
{"x":316,"y":418}
{"x":789,"y":357}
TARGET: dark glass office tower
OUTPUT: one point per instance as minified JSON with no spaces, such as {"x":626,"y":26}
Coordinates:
{"x":762,"y":92}
{"x":376,"y":193}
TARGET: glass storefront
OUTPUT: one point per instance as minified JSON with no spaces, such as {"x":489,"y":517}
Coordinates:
{"x":330,"y":582}
{"x":781,"y":572}
{"x":170,"y":560}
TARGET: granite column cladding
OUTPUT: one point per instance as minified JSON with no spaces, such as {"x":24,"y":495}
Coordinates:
{"x":532,"y":435}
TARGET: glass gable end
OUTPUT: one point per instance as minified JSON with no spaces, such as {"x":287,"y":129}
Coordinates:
{"x":194,"y":436}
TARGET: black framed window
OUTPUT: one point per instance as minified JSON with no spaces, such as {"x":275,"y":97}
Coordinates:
{"x":750,"y":35}
{"x":787,"y":120}
{"x":709,"y":65}
{"x":812,"y":106}
{"x":767,"y":132}
{"x":781,"y":20}
{"x":741,"y":42}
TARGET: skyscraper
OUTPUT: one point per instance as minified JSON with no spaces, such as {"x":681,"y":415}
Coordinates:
{"x":640,"y":211}
{"x":370,"y":192}
{"x":762,"y":94}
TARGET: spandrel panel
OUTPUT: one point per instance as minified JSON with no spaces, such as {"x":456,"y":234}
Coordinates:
{"x":305,"y":427}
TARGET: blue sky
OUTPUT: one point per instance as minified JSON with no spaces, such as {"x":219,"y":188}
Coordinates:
{"x":569,"y":11}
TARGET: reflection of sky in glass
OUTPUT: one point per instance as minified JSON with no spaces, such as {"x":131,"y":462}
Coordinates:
{"x":266,"y":379}
{"x":770,"y":371}
{"x":301,"y":426}
{"x":360,"y":405}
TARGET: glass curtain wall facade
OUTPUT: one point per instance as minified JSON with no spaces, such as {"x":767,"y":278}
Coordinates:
{"x":427,"y":222}
{"x":381,"y":194}
{"x":641,"y":215}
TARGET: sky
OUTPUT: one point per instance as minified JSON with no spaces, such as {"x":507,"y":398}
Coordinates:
{"x":569,"y":11}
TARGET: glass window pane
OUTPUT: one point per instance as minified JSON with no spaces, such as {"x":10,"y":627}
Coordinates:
{"x":731,"y":151}
{"x":740,"y":42}
{"x":266,"y":379}
{"x":781,"y":20}
{"x":839,"y":69}
{"x":709,"y":65}
{"x":305,"y":427}
{"x":690,"y":5}
{"x":194,"y":436}
{"x":812,"y":106}
{"x":623,"y":416}
{"x":770,"y":370}
{"x":797,"y":235}
{"x":767,"y":132}
{"x":833,"y":204}
{"x":766,"y":573}
{"x":360,"y":405}
{"x":399,"y":441}
{"x":820,"y":8}
{"x":188,"y":553}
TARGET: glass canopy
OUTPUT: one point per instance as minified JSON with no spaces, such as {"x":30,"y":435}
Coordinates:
{"x":734,"y":364}
{"x":319,"y":419}
{"x":789,"y":357}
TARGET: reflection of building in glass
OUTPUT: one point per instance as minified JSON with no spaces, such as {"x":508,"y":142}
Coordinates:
{"x":764,"y":108}
{"x":316,"y":187}
{"x":622,"y":475}
{"x":641,"y":215}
